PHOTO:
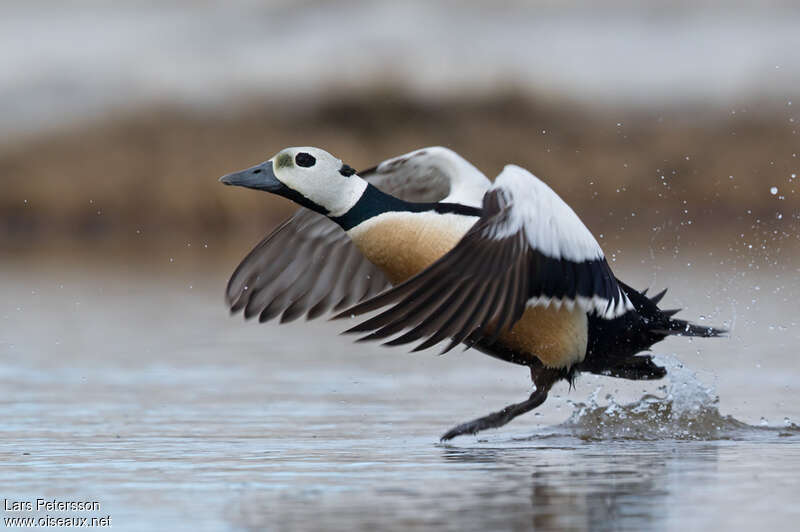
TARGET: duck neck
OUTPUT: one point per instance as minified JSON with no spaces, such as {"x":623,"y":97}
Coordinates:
{"x":373,"y":202}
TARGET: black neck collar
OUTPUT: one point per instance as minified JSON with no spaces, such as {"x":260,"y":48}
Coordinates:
{"x":374,"y":202}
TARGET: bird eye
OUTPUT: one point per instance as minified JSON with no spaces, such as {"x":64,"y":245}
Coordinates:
{"x":305,"y":159}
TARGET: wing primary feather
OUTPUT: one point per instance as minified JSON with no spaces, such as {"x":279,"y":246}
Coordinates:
{"x":467,"y":325}
{"x":432,"y":286}
{"x":453,"y":324}
{"x":384,"y":298}
{"x":272,"y":300}
{"x":374,"y":303}
{"x":267,"y":286}
{"x":238,"y":279}
{"x":521,"y":293}
{"x":511,"y":247}
{"x":473,"y":332}
{"x":361,"y":281}
{"x":489,"y":311}
{"x":260,"y":277}
{"x":343,"y":296}
{"x":313,"y":282}
{"x":435,"y":318}
{"x":503,"y":307}
{"x":393,"y":320}
{"x":320,"y":307}
{"x":329,"y":278}
{"x":292,"y":290}
{"x":465,"y":321}
{"x":509,"y":284}
{"x":478,"y":332}
{"x":406,"y":293}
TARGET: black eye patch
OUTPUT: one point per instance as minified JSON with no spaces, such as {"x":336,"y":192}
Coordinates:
{"x":346,"y":170}
{"x":305,"y":159}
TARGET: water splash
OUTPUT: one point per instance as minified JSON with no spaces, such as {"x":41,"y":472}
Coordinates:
{"x":687,"y":410}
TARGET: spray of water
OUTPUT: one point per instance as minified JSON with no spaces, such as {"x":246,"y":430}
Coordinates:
{"x":686,"y":409}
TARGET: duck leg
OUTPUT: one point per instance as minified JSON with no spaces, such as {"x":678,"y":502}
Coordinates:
{"x":544,"y":378}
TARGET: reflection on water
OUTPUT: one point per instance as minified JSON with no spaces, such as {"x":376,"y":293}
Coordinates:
{"x":567,"y":486}
{"x":138,"y":390}
{"x":592,"y":491}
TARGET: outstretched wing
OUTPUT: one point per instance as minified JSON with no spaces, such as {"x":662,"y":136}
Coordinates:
{"x":529,"y":248}
{"x":429,"y":175}
{"x":308,"y":265}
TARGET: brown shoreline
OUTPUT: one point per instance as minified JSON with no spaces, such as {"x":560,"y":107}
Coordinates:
{"x":151,"y":177}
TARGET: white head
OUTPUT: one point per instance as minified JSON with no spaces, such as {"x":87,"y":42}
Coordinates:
{"x":309,"y":176}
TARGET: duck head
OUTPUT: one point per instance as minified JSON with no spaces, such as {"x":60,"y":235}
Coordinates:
{"x":308,"y":176}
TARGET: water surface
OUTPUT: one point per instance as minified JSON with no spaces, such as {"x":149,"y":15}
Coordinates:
{"x":134,"y":388}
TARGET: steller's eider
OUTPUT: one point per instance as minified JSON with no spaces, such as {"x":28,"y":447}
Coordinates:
{"x":506,"y":267}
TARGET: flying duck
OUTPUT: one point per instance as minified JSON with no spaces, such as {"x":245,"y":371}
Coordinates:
{"x":448,"y":256}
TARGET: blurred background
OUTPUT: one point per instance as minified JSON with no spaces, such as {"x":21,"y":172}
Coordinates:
{"x":670,"y":127}
{"x":661,"y":120}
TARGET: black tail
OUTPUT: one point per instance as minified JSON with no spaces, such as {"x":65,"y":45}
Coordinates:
{"x":614,"y":344}
{"x":660,"y":322}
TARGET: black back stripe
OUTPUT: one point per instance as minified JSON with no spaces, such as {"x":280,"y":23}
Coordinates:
{"x":451,"y":208}
{"x":566,"y":279}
